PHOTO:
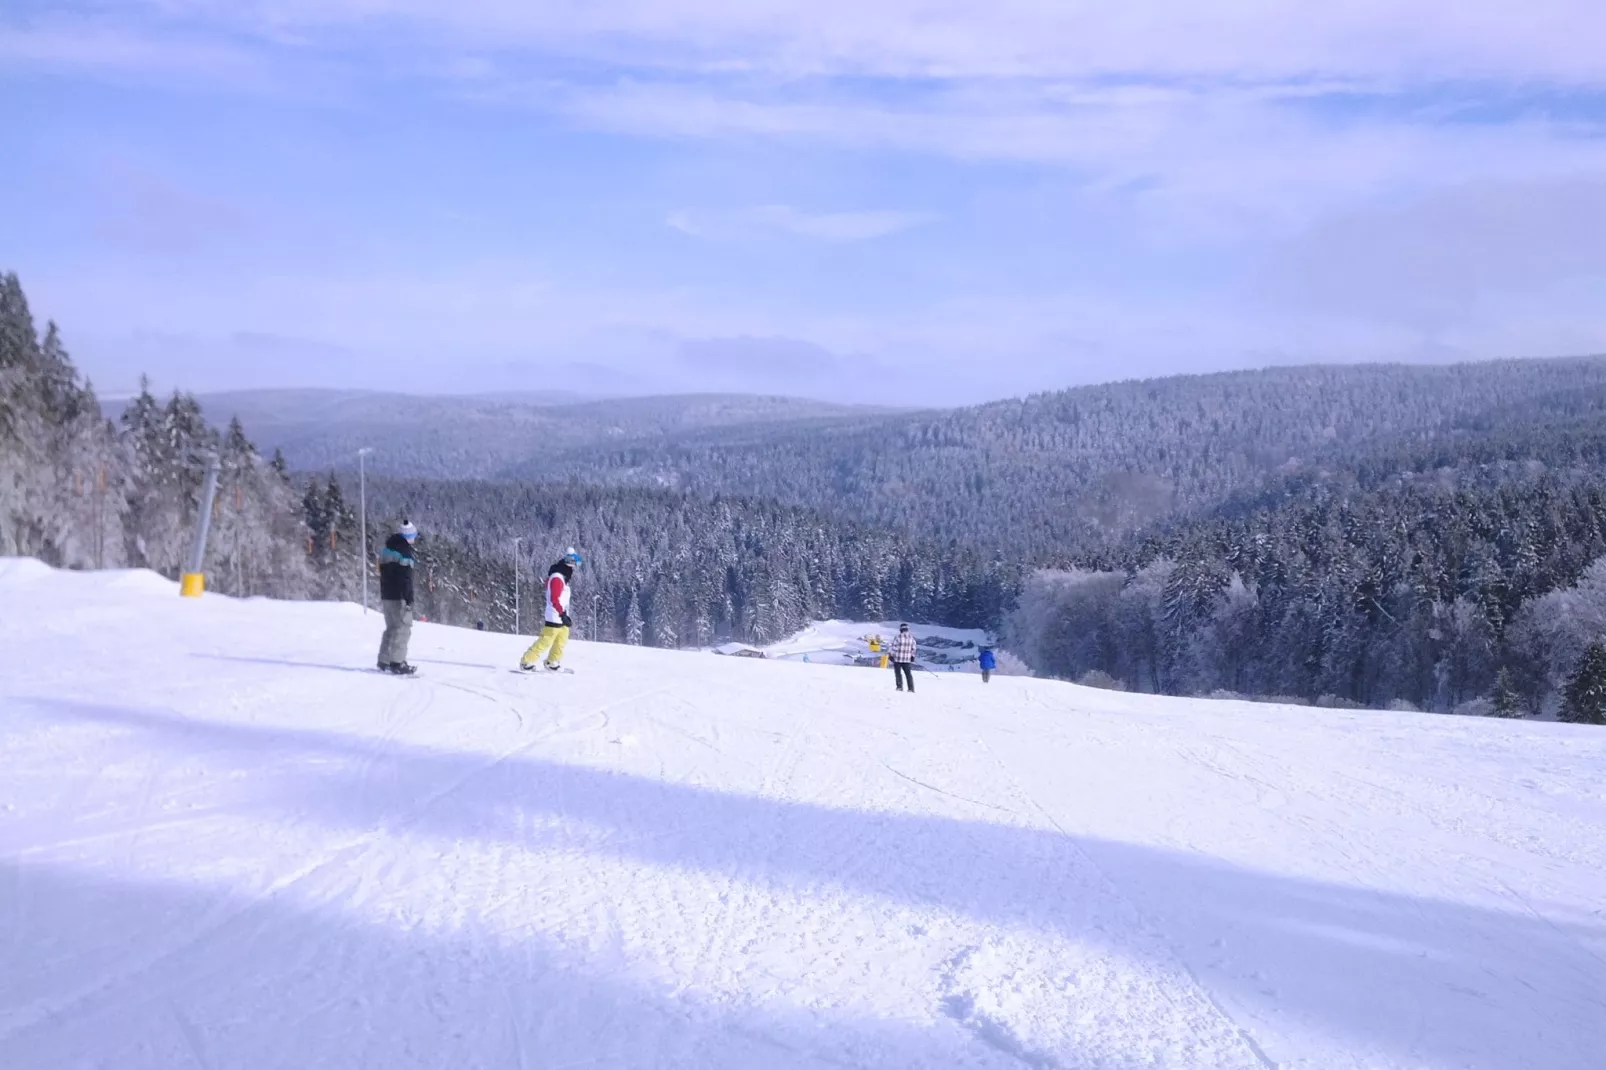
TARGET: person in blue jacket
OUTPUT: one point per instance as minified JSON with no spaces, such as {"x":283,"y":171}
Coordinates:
{"x":988,"y":663}
{"x":396,"y":599}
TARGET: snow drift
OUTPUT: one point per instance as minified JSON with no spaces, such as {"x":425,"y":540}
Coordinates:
{"x":226,"y":841}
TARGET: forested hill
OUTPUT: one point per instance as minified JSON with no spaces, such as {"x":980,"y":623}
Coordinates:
{"x":1041,"y":480}
{"x":478,"y":436}
{"x":1048,"y":478}
{"x":667,"y":568}
{"x":1453,"y":570}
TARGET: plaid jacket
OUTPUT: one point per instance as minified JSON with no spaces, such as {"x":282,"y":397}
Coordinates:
{"x":903,"y":647}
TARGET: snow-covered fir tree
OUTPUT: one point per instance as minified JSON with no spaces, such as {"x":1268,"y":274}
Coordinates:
{"x":1584,"y":701}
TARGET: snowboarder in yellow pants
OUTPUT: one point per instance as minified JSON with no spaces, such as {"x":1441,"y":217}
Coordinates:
{"x":554,"y":635}
{"x":549,"y":644}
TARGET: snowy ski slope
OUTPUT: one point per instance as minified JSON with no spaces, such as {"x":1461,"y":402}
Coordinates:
{"x":225,"y":842}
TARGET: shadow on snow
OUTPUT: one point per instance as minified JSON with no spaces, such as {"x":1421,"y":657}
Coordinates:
{"x":1428,"y":981}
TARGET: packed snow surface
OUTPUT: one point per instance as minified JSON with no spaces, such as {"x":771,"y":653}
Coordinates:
{"x":225,"y":841}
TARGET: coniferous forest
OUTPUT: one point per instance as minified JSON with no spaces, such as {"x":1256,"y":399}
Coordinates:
{"x":80,"y":491}
{"x":1427,"y":538}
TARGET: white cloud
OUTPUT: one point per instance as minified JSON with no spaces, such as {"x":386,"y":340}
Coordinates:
{"x":1380,"y":40}
{"x":1213,"y":118}
{"x":82,"y":45}
{"x":1209,"y":159}
{"x":783,"y":219}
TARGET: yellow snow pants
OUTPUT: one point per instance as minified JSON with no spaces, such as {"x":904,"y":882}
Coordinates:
{"x":551,"y":642}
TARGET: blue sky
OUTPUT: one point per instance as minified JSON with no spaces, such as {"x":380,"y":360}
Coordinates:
{"x":893,"y":201}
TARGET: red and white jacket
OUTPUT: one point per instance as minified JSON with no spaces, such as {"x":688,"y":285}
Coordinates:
{"x":557,"y":596}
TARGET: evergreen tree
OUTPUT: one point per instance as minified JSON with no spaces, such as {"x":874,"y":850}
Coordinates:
{"x":63,"y":474}
{"x":635,"y":625}
{"x":1506,"y":700}
{"x":1584,"y":701}
{"x":19,"y":342}
{"x":141,"y":415}
{"x":315,"y":514}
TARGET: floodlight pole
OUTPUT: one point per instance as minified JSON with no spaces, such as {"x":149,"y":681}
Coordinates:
{"x":516,"y":542}
{"x":362,"y":509}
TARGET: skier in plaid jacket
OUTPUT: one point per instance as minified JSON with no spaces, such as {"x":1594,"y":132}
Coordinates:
{"x":903,"y":658}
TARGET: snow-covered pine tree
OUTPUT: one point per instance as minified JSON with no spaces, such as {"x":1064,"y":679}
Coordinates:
{"x":1505,"y":701}
{"x":635,"y":624}
{"x":62,"y":471}
{"x":1584,"y":700}
{"x":257,"y":545}
{"x":21,"y":422}
{"x":315,"y":516}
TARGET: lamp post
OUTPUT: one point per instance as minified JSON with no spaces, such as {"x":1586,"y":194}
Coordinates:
{"x":516,"y":542}
{"x":362,"y":509}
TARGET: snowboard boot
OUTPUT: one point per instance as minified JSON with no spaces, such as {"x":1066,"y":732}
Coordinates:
{"x":401,"y":668}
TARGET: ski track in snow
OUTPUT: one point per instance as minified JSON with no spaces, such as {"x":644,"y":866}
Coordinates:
{"x":234,"y":845}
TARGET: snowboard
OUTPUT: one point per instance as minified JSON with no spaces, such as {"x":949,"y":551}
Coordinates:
{"x":541,"y":672}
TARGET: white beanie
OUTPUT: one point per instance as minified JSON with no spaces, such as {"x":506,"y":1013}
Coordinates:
{"x":407,"y":531}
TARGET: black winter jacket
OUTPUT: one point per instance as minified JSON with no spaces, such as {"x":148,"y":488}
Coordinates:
{"x":396,"y":571}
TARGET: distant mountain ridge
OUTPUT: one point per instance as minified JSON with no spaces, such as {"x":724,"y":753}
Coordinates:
{"x":1046,"y":478}
{"x":1041,"y":480}
{"x":476,"y":436}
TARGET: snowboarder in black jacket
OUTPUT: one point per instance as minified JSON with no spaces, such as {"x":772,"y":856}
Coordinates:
{"x":396,"y":599}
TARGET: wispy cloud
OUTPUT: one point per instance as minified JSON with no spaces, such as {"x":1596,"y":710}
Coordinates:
{"x":108,"y":48}
{"x":1273,"y":157}
{"x":1380,"y":40}
{"x":783,"y":219}
{"x":1273,"y":110}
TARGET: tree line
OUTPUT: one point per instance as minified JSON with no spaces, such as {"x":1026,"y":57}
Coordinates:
{"x":663,"y":568}
{"x":79,"y":491}
{"x":1471,"y":579}
{"x":1050,"y":479}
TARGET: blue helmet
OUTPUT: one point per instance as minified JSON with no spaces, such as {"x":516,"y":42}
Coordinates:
{"x":572,"y":556}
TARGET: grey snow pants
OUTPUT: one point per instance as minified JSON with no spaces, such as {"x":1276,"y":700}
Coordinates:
{"x":398,"y":630}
